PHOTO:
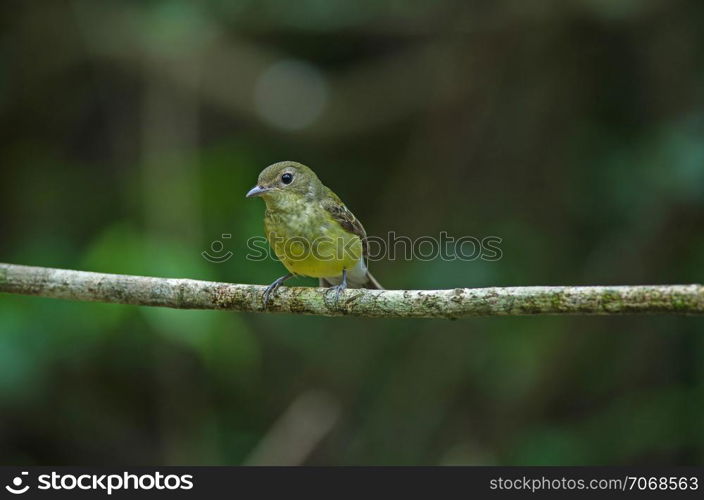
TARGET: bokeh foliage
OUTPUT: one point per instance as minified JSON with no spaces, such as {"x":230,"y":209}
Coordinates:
{"x":572,"y":129}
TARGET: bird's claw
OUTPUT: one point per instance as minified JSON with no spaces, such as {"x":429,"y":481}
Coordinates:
{"x":266,"y":297}
{"x":337,"y":290}
{"x":271,"y":289}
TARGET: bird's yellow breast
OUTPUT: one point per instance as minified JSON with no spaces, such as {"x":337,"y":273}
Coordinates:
{"x":309,"y":242}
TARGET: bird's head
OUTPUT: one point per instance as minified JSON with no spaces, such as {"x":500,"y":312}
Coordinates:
{"x":286,"y":179}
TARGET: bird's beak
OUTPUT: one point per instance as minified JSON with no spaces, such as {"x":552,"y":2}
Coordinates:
{"x":256,"y":191}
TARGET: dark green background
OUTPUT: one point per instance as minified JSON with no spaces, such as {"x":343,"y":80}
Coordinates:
{"x":572,"y":129}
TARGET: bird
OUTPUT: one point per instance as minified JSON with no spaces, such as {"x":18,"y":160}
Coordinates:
{"x":311,"y":230}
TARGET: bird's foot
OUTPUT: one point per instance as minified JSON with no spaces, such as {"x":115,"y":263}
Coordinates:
{"x":338,"y":289}
{"x":271,"y":289}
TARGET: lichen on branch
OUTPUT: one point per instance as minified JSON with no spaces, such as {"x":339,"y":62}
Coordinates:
{"x":450,"y":303}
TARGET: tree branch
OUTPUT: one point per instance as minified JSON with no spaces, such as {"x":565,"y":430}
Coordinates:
{"x":453,"y":303}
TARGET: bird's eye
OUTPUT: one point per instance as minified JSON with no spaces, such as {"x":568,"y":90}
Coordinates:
{"x":287,"y":178}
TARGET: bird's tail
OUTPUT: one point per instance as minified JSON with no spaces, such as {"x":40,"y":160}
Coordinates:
{"x":372,"y":283}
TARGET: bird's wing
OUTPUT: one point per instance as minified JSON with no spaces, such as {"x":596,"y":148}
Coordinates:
{"x":342,"y":215}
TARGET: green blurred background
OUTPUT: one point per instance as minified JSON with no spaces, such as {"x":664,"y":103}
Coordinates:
{"x":572,"y":129}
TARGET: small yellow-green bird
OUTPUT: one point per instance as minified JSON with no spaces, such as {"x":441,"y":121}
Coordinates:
{"x":311,"y":231}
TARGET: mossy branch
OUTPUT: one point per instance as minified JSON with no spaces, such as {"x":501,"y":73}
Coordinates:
{"x":452,"y":303}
